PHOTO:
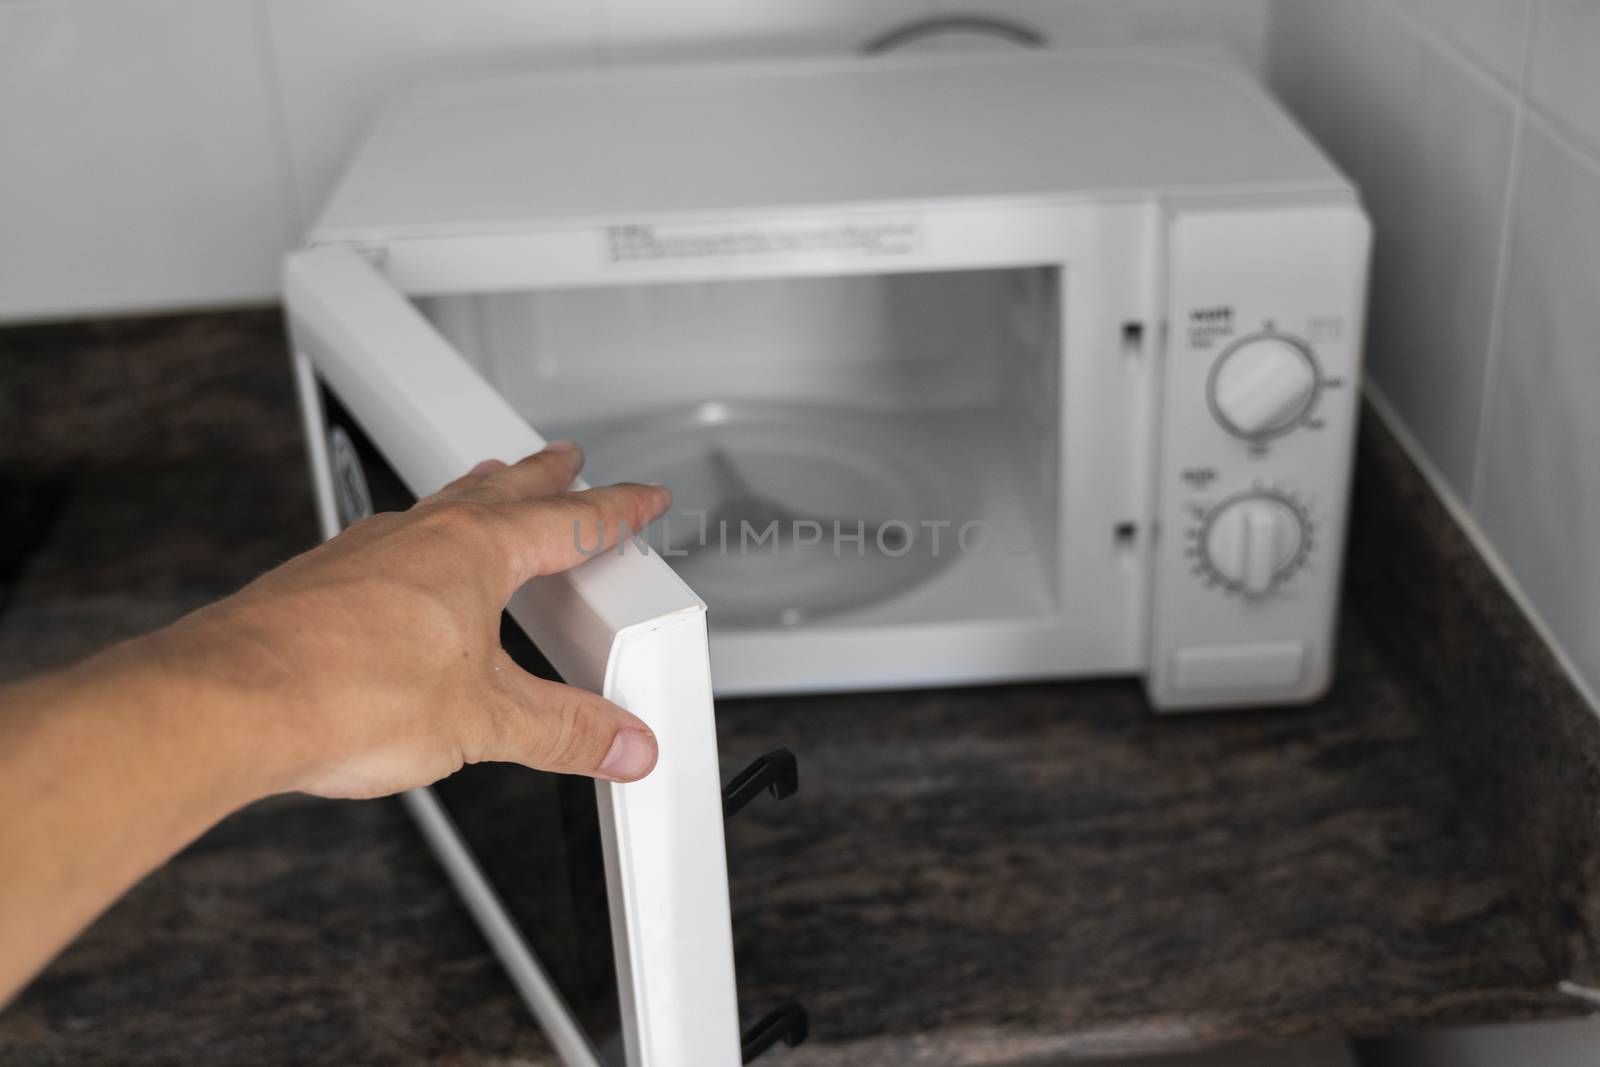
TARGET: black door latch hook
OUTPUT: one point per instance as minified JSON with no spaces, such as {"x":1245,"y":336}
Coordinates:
{"x":777,"y":771}
{"x":788,"y":1024}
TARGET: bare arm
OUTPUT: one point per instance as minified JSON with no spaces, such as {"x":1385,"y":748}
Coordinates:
{"x":366,"y":666}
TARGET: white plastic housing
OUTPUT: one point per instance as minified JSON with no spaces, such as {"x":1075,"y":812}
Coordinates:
{"x":562,"y":231}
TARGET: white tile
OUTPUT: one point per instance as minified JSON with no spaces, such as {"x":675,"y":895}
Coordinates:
{"x":338,"y":61}
{"x":1564,"y":66}
{"x":1540,"y":498}
{"x":1435,"y":161}
{"x":1237,"y":28}
{"x":141,"y":161}
{"x":650,"y":30}
{"x":1492,"y":32}
{"x":1317,"y":64}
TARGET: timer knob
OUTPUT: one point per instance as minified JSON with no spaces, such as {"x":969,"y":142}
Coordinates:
{"x":1253,"y":542}
{"x":1262,"y":386}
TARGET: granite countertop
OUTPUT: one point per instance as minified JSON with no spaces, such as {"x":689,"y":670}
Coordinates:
{"x":967,"y":876}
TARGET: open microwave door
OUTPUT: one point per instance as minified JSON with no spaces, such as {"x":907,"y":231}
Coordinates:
{"x":628,"y":885}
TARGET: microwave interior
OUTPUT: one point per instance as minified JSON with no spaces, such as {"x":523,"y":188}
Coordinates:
{"x":849,"y":450}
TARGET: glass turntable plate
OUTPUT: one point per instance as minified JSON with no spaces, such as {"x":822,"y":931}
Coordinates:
{"x":786,"y":513}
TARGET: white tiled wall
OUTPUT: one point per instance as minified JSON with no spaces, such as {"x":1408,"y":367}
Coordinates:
{"x":1435,"y":164}
{"x":162,"y":153}
{"x":1473,"y":127}
{"x":1491,"y":32}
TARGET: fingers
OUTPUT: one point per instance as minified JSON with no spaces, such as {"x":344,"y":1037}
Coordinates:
{"x":548,"y":471}
{"x":555,"y":727}
{"x":533,"y":526}
{"x":563,"y":530}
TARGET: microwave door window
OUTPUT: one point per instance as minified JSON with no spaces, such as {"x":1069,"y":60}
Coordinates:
{"x":535,"y":836}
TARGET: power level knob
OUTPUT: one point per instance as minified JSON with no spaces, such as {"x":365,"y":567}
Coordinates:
{"x":1262,"y":386}
{"x":1251,"y":543}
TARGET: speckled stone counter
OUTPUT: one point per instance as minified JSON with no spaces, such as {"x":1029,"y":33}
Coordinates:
{"x":967,"y":876}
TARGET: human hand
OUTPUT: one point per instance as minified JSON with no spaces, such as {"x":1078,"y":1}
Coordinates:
{"x":363,"y":667}
{"x":373,"y":664}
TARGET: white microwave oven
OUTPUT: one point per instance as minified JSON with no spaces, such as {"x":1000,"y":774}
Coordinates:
{"x":962,"y":370}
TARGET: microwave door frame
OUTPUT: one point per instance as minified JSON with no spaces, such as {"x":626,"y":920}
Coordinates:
{"x":622,"y":624}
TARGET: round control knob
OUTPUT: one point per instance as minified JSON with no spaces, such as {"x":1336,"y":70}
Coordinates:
{"x":1262,"y":386}
{"x":1251,"y":543}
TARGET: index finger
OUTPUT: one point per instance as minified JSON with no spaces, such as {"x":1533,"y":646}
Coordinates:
{"x":549,"y":470}
{"x":560,"y":531}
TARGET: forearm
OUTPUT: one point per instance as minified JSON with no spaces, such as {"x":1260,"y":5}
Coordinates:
{"x":363,"y":667}
{"x":106,"y":770}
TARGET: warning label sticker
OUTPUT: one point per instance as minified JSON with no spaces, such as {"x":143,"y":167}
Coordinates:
{"x":801,"y":237}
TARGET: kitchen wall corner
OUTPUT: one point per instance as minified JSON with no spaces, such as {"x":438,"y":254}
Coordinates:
{"x":1472,"y":130}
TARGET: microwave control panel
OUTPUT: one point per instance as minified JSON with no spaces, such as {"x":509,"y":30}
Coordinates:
{"x":1259,"y":403}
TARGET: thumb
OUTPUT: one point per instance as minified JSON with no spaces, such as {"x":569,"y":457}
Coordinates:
{"x":561,"y":728}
